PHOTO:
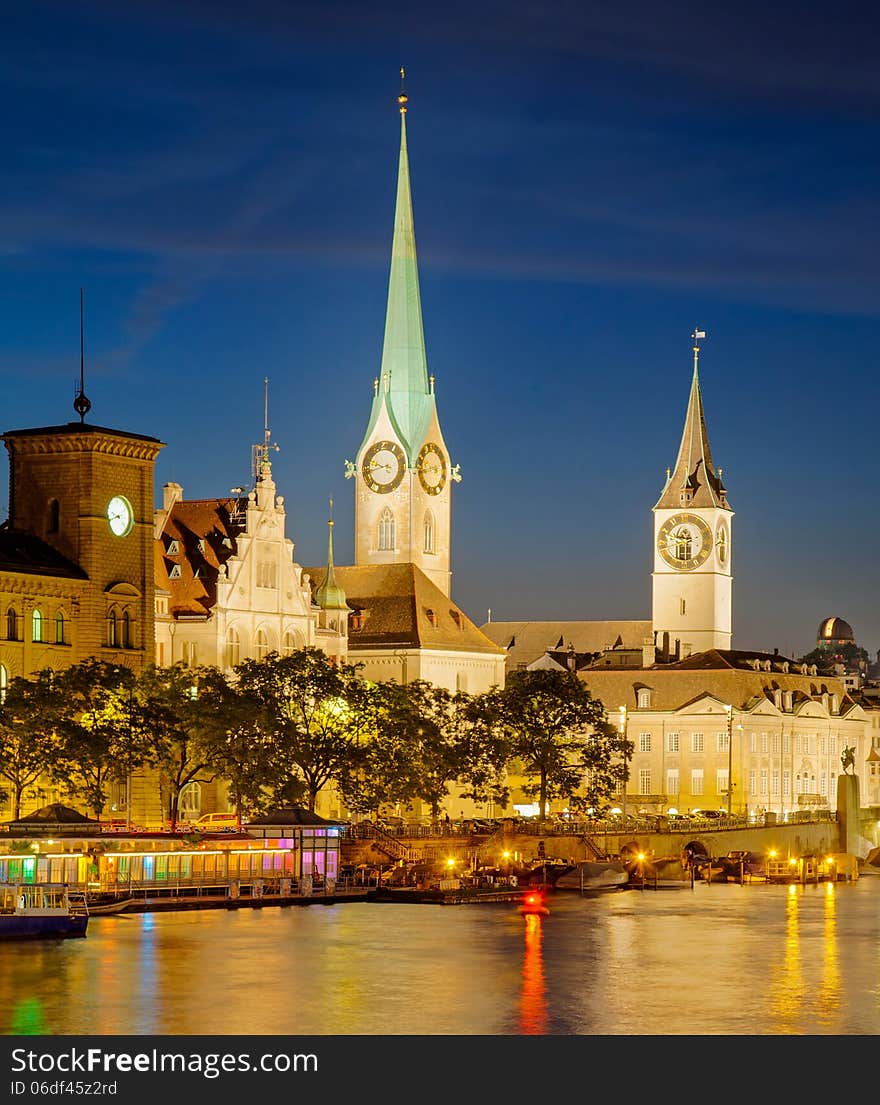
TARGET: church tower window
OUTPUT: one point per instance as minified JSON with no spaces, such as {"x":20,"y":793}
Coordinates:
{"x":126,"y":629}
{"x":11,"y":625}
{"x":112,"y":630}
{"x":54,"y":516}
{"x":4,"y":682}
{"x":429,"y":532}
{"x":37,"y":625}
{"x":387,"y":531}
{"x":59,"y":628}
{"x":261,"y":643}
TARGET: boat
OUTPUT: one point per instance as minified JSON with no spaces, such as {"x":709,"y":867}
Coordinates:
{"x":33,"y":911}
{"x":533,"y":902}
{"x":594,"y":875}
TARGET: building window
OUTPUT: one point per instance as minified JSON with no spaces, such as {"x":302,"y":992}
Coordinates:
{"x":786,"y":743}
{"x":823,"y":783}
{"x":644,"y":742}
{"x":175,"y":572}
{"x":763,"y":782}
{"x":643,"y":698}
{"x":697,"y":781}
{"x":722,"y":741}
{"x":786,"y":784}
{"x":697,"y":742}
{"x":37,"y":626}
{"x":774,"y":743}
{"x":429,"y":532}
{"x":266,"y":574}
{"x":11,"y":625}
{"x":290,"y":643}
{"x":764,"y":744}
{"x":189,"y":804}
{"x":173,"y":547}
{"x":753,"y":742}
{"x":112,"y":630}
{"x":126,"y":629}
{"x":644,"y":780}
{"x":261,"y":644}
{"x":233,"y":648}
{"x":753,"y":783}
{"x":4,"y":682}
{"x":387,"y":533}
{"x":672,"y":781}
{"x":59,"y":628}
{"x":832,"y":744}
{"x":431,"y":615}
{"x":672,"y":742}
{"x":682,"y":607}
{"x":721,"y":779}
{"x":461,"y":682}
{"x":54,"y":516}
{"x":774,"y":783}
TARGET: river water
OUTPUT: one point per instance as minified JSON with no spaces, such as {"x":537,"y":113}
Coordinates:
{"x":712,"y":959}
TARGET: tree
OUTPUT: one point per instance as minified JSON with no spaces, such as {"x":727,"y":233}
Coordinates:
{"x":560,"y":735}
{"x":310,"y":711}
{"x":106,"y":730}
{"x":28,"y":742}
{"x":180,"y":699}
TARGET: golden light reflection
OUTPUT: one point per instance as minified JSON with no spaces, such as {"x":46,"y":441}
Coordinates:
{"x":533,"y":996}
{"x":829,"y":996}
{"x":787,"y":988}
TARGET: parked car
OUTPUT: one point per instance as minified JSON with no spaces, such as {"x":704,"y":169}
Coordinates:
{"x":217,"y":822}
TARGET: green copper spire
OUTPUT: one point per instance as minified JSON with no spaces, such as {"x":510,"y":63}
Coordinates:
{"x":404,"y":375}
{"x":330,"y":596}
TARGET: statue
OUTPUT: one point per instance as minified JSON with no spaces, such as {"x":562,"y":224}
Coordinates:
{"x":848,"y":759}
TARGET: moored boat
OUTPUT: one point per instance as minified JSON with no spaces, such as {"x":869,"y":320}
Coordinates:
{"x":30,"y":911}
{"x":594,"y":875}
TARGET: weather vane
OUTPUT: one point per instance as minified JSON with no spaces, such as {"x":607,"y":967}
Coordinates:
{"x":81,"y":404}
{"x":696,"y":336}
{"x":402,"y":98}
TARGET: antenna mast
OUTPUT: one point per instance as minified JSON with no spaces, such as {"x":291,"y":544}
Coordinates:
{"x":260,"y":463}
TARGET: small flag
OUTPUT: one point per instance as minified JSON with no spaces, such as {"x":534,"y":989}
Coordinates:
{"x":699,"y":333}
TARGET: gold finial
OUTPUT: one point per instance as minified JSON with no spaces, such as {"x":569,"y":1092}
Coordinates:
{"x":431,"y":379}
{"x":330,"y":522}
{"x":376,"y":386}
{"x":402,"y":98}
{"x":696,"y":336}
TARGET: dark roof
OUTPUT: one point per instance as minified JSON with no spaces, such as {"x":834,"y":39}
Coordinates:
{"x":291,"y":815}
{"x":191,"y":523}
{"x":22,"y":552}
{"x":76,"y":428}
{"x":54,"y":814}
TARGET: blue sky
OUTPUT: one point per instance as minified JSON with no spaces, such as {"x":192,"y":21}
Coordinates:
{"x":590,"y":182}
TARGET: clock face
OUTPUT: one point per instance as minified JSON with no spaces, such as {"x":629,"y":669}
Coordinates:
{"x":383,"y":466}
{"x":119,"y":515}
{"x":684,"y":542}
{"x":431,"y":467}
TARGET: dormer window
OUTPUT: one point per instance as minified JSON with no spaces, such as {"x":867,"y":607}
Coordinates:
{"x":643,"y":698}
{"x":175,"y":572}
{"x":173,"y":548}
{"x":356,"y":621}
{"x":457,"y":618}
{"x":431,"y":615}
{"x":201,"y":545}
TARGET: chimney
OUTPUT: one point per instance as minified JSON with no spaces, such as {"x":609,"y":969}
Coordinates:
{"x":171,"y":494}
{"x":648,"y":652}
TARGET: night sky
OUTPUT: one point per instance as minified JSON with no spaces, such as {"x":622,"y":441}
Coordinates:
{"x":591,"y":182}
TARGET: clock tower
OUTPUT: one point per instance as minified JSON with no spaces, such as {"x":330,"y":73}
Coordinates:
{"x":402,"y":471}
{"x":692,"y":579}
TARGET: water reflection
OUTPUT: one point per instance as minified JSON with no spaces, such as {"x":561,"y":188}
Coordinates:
{"x":532,"y":1002}
{"x":719,"y":959}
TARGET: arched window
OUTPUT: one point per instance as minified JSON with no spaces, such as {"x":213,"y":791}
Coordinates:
{"x":233,"y":647}
{"x":11,"y":625}
{"x":37,"y":625}
{"x":189,"y":803}
{"x":429,"y":532}
{"x":54,"y":516}
{"x":261,"y":644}
{"x":291,"y":642}
{"x":112,"y":630}
{"x":59,"y":628}
{"x":387,"y":533}
{"x":4,"y":682}
{"x":126,"y":629}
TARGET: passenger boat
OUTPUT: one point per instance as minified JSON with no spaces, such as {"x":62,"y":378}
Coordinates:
{"x":43,"y":910}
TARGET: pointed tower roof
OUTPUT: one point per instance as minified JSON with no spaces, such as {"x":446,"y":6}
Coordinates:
{"x":330,"y":596}
{"x":403,"y":386}
{"x":694,"y":482}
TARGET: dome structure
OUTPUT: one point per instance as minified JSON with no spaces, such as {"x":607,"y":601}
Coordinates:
{"x":834,"y":631}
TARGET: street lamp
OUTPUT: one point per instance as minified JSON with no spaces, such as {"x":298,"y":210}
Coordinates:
{"x":729,"y":710}
{"x":622,"y":712}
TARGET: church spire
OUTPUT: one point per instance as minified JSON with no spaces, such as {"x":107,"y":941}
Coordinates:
{"x":404,"y":362}
{"x":330,"y":596}
{"x":694,"y":480}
